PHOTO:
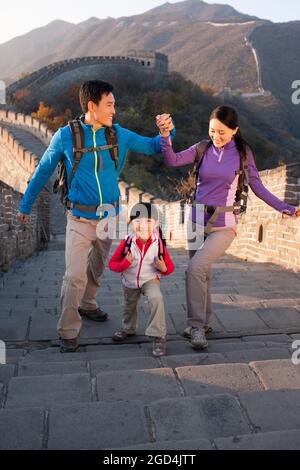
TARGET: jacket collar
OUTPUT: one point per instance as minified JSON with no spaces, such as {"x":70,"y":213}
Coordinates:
{"x":89,"y":126}
{"x":228,"y":146}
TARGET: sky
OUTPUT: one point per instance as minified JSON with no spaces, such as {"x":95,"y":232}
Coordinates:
{"x":19,"y":16}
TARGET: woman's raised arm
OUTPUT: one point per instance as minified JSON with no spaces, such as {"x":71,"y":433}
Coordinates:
{"x":177,"y":159}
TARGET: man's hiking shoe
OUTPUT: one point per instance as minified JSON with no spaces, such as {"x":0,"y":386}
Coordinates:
{"x":68,"y":345}
{"x":121,"y":335}
{"x":187,"y":331}
{"x":159,"y":347}
{"x":95,"y":315}
{"x":198,"y":340}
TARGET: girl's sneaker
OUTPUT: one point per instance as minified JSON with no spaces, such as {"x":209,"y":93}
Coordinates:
{"x":121,"y":335}
{"x":68,"y":345}
{"x":159,"y":347}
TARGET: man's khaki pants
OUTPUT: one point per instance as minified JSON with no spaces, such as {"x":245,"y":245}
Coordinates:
{"x":85,"y":262}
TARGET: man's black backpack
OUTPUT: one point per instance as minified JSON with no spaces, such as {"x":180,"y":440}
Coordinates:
{"x":60,"y":185}
{"x":242,"y":187}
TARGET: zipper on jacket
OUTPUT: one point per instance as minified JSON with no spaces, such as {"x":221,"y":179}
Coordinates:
{"x":140,"y":266}
{"x":96,"y":167}
{"x":219,"y":155}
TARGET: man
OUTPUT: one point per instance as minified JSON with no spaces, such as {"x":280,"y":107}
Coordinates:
{"x":94,"y":185}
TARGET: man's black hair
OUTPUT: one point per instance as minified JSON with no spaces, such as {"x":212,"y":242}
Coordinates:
{"x":93,"y":90}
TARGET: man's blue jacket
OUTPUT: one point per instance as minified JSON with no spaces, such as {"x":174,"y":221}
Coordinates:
{"x":96,"y":180}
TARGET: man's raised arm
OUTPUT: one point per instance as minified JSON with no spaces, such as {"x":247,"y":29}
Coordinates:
{"x":43,"y":172}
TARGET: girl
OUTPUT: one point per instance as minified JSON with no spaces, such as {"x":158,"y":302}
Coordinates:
{"x":142,"y":258}
{"x":216,"y":189}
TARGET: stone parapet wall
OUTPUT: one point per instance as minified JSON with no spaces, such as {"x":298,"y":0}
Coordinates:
{"x":17,"y":165}
{"x":32,"y":125}
{"x":145,"y":60}
{"x":18,"y":240}
{"x":264,"y":235}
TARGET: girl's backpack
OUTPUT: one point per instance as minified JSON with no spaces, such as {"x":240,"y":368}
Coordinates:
{"x":161,"y":245}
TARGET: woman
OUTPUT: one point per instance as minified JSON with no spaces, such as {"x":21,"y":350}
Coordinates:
{"x":216,"y":187}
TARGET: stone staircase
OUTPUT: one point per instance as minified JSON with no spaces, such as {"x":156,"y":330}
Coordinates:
{"x":243,"y":392}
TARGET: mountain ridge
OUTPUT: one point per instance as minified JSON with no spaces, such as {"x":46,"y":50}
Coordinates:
{"x":211,"y":45}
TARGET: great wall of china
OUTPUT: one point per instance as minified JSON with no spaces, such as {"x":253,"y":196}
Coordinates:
{"x":79,"y":67}
{"x":263,"y":234}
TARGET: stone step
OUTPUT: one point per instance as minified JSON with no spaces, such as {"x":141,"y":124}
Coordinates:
{"x":44,"y":385}
{"x":255,"y":418}
{"x":53,"y":355}
{"x":178,"y":352}
{"x":48,"y":363}
{"x":193,"y":444}
{"x":148,"y":385}
{"x":210,"y":416}
{"x":277,"y":440}
{"x":93,"y":367}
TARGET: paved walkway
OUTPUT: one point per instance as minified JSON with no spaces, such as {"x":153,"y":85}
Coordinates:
{"x":243,"y":392}
{"x":115,"y":396}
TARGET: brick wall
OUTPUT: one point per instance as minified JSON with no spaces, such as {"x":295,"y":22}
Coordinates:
{"x":16,"y":167}
{"x":32,"y":125}
{"x":18,"y":240}
{"x":264,"y":235}
{"x":135,"y":59}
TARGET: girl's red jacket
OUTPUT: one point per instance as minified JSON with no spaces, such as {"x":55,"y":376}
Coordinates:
{"x":119,"y":264}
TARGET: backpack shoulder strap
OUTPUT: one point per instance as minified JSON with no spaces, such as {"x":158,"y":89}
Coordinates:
{"x":245,"y":165}
{"x":160,"y":243}
{"x":200,"y":149}
{"x":243,"y":173}
{"x":161,"y":249}
{"x":243,"y":184}
{"x":127,"y":244}
{"x":112,"y":139}
{"x":78,"y":139}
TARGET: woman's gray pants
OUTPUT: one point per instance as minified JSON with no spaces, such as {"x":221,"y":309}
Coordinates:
{"x":198,"y":276}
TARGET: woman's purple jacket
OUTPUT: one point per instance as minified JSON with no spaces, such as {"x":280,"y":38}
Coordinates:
{"x":217,"y":181}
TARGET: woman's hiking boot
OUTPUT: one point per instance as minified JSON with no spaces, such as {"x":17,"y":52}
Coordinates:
{"x":198,"y":340}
